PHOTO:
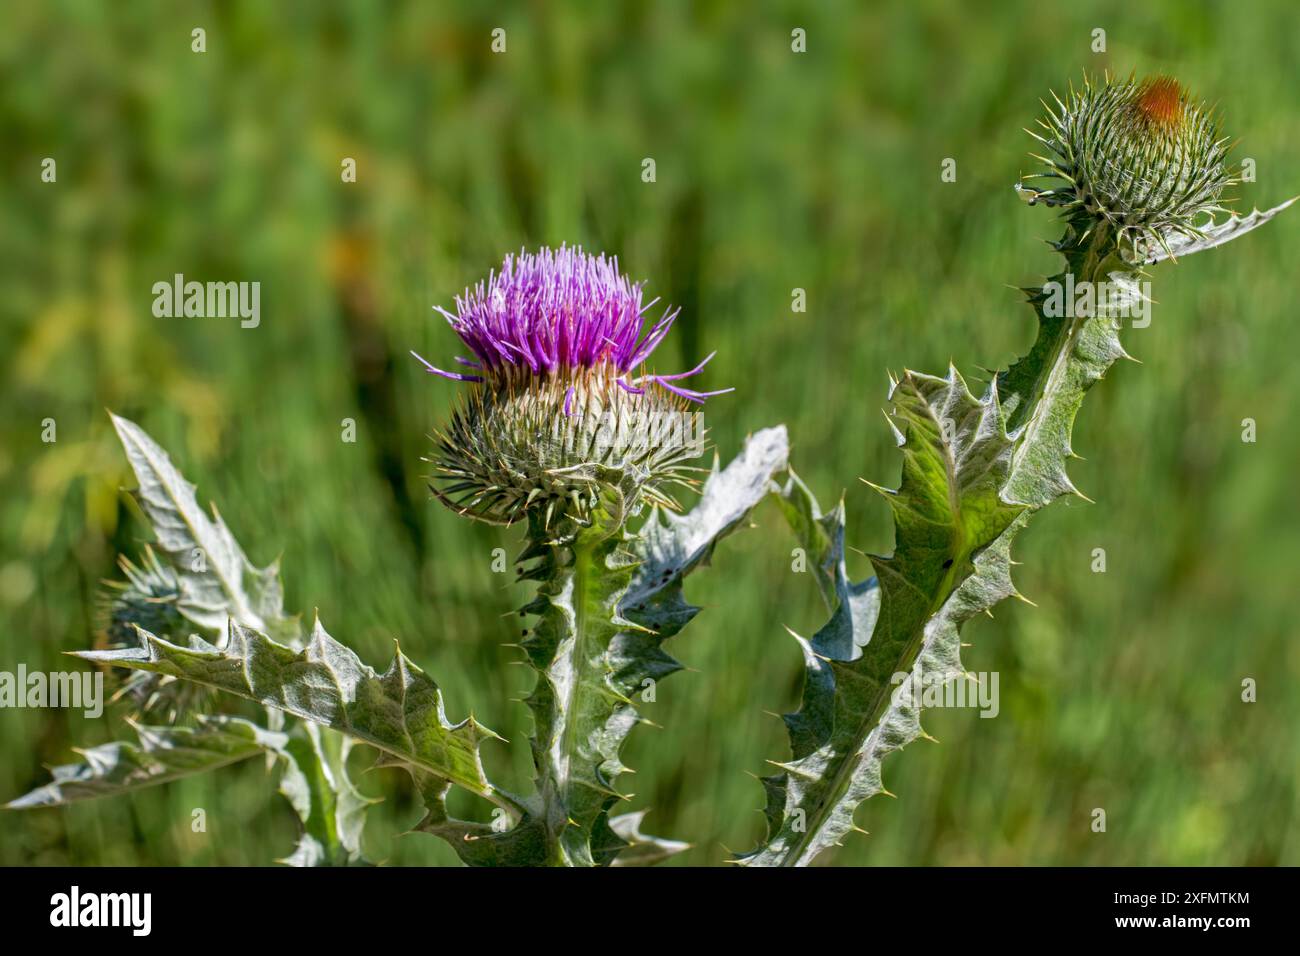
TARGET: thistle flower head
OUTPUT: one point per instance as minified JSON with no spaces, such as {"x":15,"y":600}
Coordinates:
{"x":1140,"y":156}
{"x":561,"y":408}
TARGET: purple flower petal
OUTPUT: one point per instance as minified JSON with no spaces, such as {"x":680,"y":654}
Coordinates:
{"x":560,"y":309}
{"x":686,"y":393}
{"x":694,"y":371}
{"x":453,"y":375}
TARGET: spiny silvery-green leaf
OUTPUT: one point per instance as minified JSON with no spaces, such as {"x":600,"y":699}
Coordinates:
{"x":853,"y":611}
{"x":217,"y":581}
{"x":953,"y":536}
{"x":845,"y":727}
{"x":399,"y":711}
{"x":853,"y":606}
{"x":163,"y":754}
{"x":604,"y":607}
{"x":314,"y":779}
{"x":641,"y":849}
{"x":317,"y":784}
{"x":170,"y":600}
{"x":1214,"y":234}
{"x":670,"y":545}
{"x":520,"y":839}
{"x":815,"y":533}
{"x":190,"y":591}
{"x":956,"y":457}
{"x":1041,"y":392}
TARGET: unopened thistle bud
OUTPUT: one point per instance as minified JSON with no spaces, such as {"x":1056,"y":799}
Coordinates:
{"x":149,"y":599}
{"x":1142,"y":158}
{"x":560,"y":408}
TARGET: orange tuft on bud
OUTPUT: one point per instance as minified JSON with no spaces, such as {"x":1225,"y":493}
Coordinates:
{"x":1161,"y":102}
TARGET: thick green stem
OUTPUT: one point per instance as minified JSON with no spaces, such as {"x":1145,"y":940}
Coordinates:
{"x":581,"y":708}
{"x":606,"y":602}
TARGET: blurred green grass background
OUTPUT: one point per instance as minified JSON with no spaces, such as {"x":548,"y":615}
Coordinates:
{"x":774,"y":171}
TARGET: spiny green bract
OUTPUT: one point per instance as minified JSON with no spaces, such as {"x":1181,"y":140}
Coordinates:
{"x":549,"y":445}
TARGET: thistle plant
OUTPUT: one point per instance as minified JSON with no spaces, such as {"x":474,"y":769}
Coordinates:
{"x":1137,"y":171}
{"x":564,"y":430}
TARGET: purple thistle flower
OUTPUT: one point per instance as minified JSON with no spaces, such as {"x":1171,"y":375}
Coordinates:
{"x":554,"y":311}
